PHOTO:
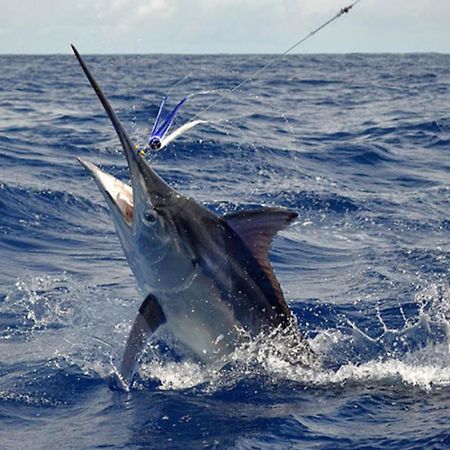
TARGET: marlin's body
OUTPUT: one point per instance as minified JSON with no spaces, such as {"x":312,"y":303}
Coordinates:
{"x":206,"y":278}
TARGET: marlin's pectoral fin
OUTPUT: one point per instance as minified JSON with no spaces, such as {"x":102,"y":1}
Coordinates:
{"x":149,"y":318}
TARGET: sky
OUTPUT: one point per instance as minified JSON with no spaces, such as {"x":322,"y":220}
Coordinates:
{"x":222,"y":26}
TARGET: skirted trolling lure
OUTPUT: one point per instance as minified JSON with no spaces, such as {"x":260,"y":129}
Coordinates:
{"x":158,"y":137}
{"x":159,"y":131}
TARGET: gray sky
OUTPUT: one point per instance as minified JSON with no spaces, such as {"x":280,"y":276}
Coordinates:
{"x":221,"y":26}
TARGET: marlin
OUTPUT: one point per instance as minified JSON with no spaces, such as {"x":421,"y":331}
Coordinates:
{"x":206,"y":278}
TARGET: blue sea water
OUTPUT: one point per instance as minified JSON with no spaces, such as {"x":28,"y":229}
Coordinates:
{"x":358,"y":145}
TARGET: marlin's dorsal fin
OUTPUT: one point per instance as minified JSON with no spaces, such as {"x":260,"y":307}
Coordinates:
{"x":258,"y":227}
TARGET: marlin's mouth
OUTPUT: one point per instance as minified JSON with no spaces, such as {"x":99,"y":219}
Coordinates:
{"x":119,"y":194}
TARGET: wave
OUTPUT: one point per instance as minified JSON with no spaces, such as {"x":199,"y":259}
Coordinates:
{"x":356,"y":144}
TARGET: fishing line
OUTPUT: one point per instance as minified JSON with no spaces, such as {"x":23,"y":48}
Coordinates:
{"x":159,"y":137}
{"x":208,"y":92}
{"x":275,"y":59}
{"x":177,"y":83}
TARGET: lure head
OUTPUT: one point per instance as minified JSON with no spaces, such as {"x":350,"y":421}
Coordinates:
{"x":155,"y":143}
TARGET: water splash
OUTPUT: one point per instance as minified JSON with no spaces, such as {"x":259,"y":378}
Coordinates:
{"x":61,"y":323}
{"x":417,"y":353}
{"x":425,"y":364}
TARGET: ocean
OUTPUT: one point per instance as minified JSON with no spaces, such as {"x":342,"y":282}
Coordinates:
{"x":358,"y":145}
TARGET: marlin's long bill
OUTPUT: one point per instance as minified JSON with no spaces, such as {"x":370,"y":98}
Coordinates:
{"x":121,"y":133}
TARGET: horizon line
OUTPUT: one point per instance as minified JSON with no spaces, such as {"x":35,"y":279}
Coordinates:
{"x":68,"y":53}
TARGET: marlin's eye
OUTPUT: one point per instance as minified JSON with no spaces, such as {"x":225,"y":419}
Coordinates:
{"x":150,"y":216}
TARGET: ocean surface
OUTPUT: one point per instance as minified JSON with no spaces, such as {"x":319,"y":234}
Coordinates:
{"x":358,"y":145}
